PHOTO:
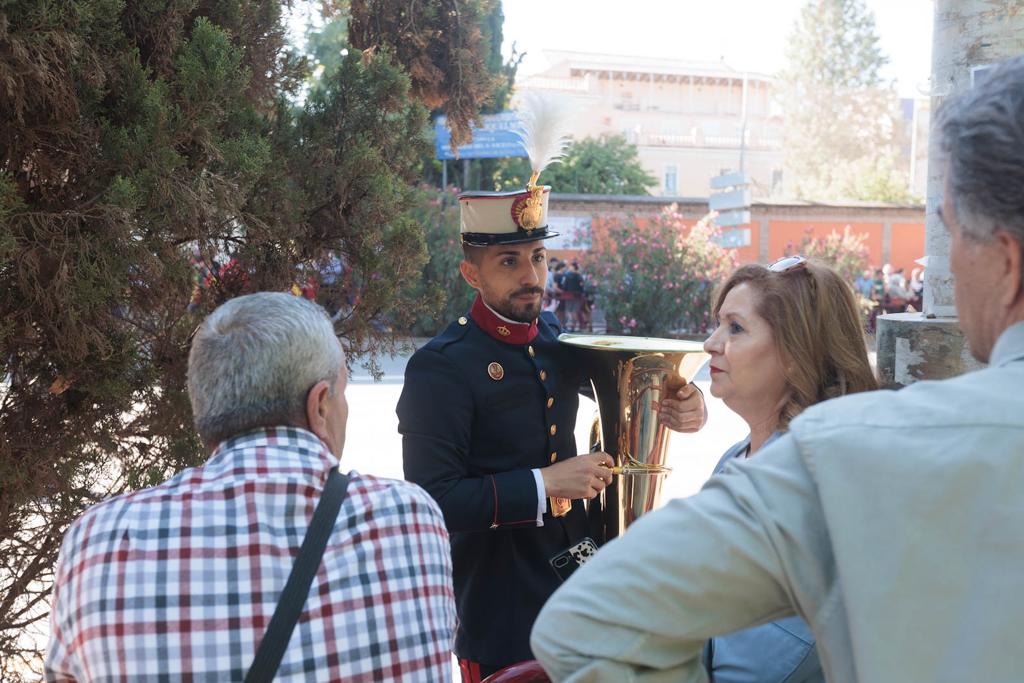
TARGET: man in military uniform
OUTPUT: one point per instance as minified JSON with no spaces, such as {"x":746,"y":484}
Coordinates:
{"x":487,"y":415}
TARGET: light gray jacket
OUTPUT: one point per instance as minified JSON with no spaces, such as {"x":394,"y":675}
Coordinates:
{"x":893,"y":522}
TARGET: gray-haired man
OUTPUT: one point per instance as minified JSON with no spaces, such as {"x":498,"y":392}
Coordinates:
{"x":892,"y":521}
{"x":180,"y":581}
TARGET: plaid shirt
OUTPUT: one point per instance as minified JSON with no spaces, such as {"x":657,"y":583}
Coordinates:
{"x":178,"y":582}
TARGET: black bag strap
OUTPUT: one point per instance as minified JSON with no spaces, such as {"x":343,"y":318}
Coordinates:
{"x":296,"y":590}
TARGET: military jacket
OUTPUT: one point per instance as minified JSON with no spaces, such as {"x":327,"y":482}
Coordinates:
{"x":481,"y":408}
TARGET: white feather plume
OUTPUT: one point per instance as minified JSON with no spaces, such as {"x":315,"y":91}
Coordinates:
{"x":545,"y":126}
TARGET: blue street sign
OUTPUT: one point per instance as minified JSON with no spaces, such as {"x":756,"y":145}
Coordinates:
{"x":495,"y":140}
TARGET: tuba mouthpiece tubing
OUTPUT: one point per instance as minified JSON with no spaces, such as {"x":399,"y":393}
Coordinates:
{"x":640,"y":469}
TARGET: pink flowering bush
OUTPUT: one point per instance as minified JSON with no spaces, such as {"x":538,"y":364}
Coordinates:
{"x":847,"y":252}
{"x":656,"y":277}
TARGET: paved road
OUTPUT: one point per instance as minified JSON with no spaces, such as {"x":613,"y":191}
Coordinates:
{"x":373,"y":445}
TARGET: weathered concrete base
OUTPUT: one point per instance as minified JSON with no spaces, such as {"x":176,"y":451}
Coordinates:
{"x":911,"y":347}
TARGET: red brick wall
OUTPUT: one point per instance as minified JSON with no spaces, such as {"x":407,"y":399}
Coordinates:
{"x":785,"y":223}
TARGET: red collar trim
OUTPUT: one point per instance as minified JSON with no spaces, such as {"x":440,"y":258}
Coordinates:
{"x":501,"y":329}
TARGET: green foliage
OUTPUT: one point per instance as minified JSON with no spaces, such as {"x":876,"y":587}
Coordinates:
{"x":605,"y":165}
{"x":440,"y":280}
{"x":873,"y":179}
{"x":208,"y":69}
{"x":656,"y":277}
{"x":841,"y":136}
{"x":475,"y":79}
{"x":326,"y":46}
{"x":504,"y":71}
{"x":440,"y":44}
{"x":135,"y":133}
{"x":504,"y":75}
{"x":845,"y":251}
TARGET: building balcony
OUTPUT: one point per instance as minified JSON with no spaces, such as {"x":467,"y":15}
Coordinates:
{"x":704,"y":141}
{"x":548,"y":83}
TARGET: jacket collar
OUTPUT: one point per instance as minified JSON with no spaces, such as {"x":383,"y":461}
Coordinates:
{"x":500,"y":327}
{"x":1009,"y":346}
{"x":280,"y":449}
{"x":742,"y":447}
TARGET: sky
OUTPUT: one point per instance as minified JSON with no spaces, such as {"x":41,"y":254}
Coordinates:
{"x":747,"y":34}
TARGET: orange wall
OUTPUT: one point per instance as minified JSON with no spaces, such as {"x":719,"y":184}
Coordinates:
{"x":749,"y":253}
{"x":907,"y":245}
{"x":782,"y":234}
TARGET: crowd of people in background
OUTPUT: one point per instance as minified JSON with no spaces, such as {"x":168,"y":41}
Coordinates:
{"x":890,"y":291}
{"x":326,"y":280}
{"x":566,"y":295}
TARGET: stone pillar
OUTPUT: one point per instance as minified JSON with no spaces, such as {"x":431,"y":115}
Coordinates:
{"x":912,"y":347}
{"x":967,"y":34}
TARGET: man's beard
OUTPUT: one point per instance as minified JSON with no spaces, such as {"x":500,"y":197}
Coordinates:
{"x":520,"y":312}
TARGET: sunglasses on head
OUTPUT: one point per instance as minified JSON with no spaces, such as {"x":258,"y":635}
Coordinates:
{"x":787,"y":264}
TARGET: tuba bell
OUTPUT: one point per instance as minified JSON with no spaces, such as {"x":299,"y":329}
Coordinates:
{"x":630,"y":376}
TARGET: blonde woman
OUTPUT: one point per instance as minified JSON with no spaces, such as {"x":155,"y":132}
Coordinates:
{"x":788,"y":336}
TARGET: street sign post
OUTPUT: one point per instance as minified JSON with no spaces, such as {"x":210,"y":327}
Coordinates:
{"x":726,"y":180}
{"x":732,"y":202}
{"x":731,"y":219}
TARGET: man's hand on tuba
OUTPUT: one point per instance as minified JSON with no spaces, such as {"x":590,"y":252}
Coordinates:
{"x":584,"y":476}
{"x":685,"y":411}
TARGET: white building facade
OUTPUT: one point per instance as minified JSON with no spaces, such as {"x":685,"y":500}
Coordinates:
{"x":689,"y":120}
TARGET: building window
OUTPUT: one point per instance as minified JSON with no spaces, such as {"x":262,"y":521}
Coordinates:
{"x":671,"y":179}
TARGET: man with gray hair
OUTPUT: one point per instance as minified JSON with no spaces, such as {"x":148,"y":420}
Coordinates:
{"x":180,"y":581}
{"x":893,"y":522}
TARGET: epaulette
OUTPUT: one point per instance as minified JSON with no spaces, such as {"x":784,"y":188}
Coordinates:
{"x":551,"y":319}
{"x":453,"y":333}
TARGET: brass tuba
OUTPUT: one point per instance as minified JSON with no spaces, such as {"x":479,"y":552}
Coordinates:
{"x":630,"y":376}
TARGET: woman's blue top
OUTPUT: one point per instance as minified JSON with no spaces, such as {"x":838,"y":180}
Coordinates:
{"x":777,"y":652}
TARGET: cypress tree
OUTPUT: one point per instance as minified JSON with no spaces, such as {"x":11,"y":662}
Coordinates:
{"x":140,"y":141}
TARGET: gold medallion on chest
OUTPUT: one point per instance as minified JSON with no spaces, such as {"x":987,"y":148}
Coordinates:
{"x":495,"y":371}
